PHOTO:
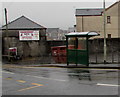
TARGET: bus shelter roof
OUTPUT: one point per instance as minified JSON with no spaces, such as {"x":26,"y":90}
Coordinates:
{"x":82,"y":34}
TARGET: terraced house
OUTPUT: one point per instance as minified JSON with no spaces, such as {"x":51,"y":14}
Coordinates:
{"x":92,"y":20}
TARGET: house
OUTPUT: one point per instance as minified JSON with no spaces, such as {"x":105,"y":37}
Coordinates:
{"x":112,"y":18}
{"x":32,"y":43}
{"x":72,"y":29}
{"x":92,"y":20}
{"x":88,"y":20}
{"x":55,"y":34}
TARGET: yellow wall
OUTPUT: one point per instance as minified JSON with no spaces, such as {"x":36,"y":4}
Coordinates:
{"x":112,"y":28}
{"x":90,"y":23}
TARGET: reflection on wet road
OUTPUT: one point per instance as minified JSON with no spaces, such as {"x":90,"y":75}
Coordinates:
{"x":62,"y":81}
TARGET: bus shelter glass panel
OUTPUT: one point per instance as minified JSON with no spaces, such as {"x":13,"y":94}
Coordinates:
{"x":71,"y":57}
{"x":82,"y":51}
{"x":77,"y":50}
{"x":82,"y":43}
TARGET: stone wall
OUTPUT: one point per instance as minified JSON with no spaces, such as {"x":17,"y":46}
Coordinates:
{"x":26,"y":48}
{"x":42,"y":48}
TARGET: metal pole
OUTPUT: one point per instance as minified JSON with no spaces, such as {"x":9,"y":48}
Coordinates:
{"x":7,"y":33}
{"x":76,"y":47}
{"x":82,"y":25}
{"x":104,"y":33}
{"x":87,"y":51}
{"x":96,"y":48}
{"x":67,"y":50}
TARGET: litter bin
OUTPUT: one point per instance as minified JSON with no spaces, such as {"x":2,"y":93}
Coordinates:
{"x":59,"y":54}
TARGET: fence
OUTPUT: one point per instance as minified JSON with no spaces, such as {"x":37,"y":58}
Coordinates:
{"x":96,"y":51}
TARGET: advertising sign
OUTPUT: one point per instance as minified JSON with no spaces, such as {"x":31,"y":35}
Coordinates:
{"x":28,"y":35}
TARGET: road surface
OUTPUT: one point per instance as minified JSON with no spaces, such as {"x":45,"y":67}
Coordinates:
{"x":58,"y":81}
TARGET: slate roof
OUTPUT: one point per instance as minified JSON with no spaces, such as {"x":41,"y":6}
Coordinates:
{"x":23,"y":23}
{"x":88,"y":12}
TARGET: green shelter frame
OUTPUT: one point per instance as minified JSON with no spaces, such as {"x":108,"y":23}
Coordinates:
{"x":77,"y":47}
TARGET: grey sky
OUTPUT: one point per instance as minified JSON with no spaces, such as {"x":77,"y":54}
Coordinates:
{"x":48,"y":14}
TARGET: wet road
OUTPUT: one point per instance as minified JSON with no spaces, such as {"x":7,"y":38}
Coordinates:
{"x":59,"y":81}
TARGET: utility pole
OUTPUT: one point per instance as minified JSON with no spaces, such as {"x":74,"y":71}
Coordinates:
{"x":7,"y":34}
{"x":104,"y":33}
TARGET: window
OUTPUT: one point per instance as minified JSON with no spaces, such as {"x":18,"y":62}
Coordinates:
{"x":108,"y":19}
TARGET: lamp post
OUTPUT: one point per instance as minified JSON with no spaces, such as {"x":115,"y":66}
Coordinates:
{"x":104,"y":33}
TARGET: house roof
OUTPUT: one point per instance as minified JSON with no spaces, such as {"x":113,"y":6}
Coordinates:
{"x":112,"y":5}
{"x":93,"y":12}
{"x":88,"y":12}
{"x":23,"y":23}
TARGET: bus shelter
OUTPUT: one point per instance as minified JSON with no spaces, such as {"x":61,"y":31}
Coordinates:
{"x":77,"y":47}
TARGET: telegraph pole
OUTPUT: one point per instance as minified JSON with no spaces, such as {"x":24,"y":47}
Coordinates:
{"x":6,"y":20}
{"x":104,"y":33}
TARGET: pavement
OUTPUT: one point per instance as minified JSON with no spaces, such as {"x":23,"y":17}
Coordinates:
{"x":113,"y":66}
{"x":102,"y":66}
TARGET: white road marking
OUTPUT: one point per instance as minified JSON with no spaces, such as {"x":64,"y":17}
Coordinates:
{"x":46,"y":78}
{"x":104,"y":69}
{"x":38,"y":77}
{"x":8,"y":72}
{"x":112,"y":85}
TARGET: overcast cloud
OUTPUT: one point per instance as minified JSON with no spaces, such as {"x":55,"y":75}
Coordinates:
{"x":48,"y":14}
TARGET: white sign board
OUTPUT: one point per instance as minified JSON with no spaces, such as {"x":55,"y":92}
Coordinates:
{"x":28,"y":35}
